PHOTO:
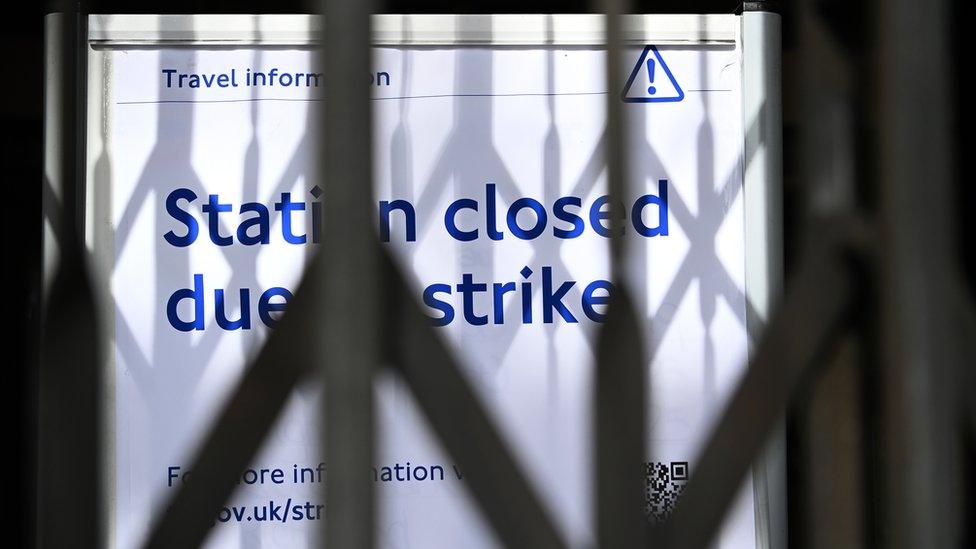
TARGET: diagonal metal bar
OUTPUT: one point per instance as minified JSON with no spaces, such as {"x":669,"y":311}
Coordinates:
{"x":349,"y":346}
{"x":425,"y":362}
{"x":246,"y":419}
{"x":620,"y":366}
{"x":819,"y":302}
{"x":464,"y":427}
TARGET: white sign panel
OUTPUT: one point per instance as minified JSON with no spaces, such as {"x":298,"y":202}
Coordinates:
{"x":491,"y":190}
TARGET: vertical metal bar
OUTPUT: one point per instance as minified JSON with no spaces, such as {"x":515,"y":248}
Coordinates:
{"x":69,"y":459}
{"x":966,"y":315}
{"x":348,"y":305}
{"x":615,"y":150}
{"x":620,"y":367}
{"x":920,"y":500}
{"x":829,"y":491}
{"x":829,"y":453}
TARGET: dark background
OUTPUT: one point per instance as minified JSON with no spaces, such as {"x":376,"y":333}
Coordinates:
{"x":21,"y":129}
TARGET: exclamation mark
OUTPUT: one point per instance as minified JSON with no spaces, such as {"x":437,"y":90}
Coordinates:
{"x":650,"y":77}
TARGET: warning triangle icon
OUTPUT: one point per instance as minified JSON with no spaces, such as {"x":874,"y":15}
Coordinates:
{"x":651,"y":81}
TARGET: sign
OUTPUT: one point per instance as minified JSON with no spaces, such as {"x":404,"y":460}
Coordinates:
{"x":491,"y":191}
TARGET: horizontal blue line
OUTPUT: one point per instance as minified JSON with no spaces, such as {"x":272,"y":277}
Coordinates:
{"x":436,"y":96}
{"x":373,"y":98}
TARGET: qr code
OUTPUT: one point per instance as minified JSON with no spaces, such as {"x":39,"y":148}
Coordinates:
{"x":663,"y":483}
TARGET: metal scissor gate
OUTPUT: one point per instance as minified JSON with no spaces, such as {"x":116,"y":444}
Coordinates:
{"x":890,"y":264}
